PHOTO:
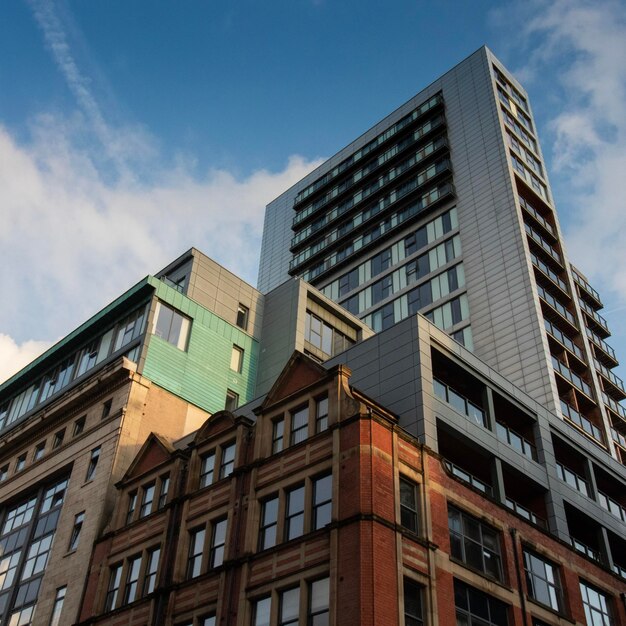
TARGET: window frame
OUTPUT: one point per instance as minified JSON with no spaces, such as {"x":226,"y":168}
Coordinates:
{"x":483,"y":548}
{"x":316,"y":506}
{"x":236,"y":358}
{"x":412,"y":589}
{"x":93,"y":463}
{"x":197,"y":539}
{"x":293,"y":514}
{"x":409,"y":512}
{"x":606,"y":612}
{"x":151,"y":571}
{"x":79,"y":520}
{"x":133,"y":572}
{"x":265,"y":524}
{"x":217,"y":550}
{"x":243,"y":316}
{"x":554,"y":588}
{"x":321,"y":415}
{"x":113,"y":587}
{"x":148,"y":493}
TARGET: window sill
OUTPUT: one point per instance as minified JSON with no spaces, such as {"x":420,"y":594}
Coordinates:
{"x":469,"y":568}
{"x":545,"y":607}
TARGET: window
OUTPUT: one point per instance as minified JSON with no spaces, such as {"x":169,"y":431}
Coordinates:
{"x":149,"y":582}
{"x":206,"y":469}
{"x":542,"y":581}
{"x":39,"y":451}
{"x":318,"y":612}
{"x":232,"y":400}
{"x":165,"y":487}
{"x":171,"y":326}
{"x":4,"y":472}
{"x":209,"y":620}
{"x":299,"y":425}
{"x":132,"y":505}
{"x":597,"y":606}
{"x":218,"y":541}
{"x":321,"y":414}
{"x":236,"y":359}
{"x":474,"y":543}
{"x":146,"y":500}
{"x":93,"y":463}
{"x":413,"y":613}
{"x":475,"y":608}
{"x":278,"y":434}
{"x":228,"y":460}
{"x":132,"y":578}
{"x":58,"y":439}
{"x":115,"y":578}
{"x":322,"y":501}
{"x":196,"y":547}
{"x":55,"y":618}
{"x":79,"y":426}
{"x":289,"y":612}
{"x":106,"y":408}
{"x":269,"y":523}
{"x":261,"y":612}
{"x":242,"y":316}
{"x":294,"y":513}
{"x":408,"y":505}
{"x":20,"y":464}
{"x":78,"y":526}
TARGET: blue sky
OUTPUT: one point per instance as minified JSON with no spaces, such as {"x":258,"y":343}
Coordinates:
{"x":130,"y":131}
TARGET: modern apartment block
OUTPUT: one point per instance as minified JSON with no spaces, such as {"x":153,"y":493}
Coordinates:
{"x":444,"y":207}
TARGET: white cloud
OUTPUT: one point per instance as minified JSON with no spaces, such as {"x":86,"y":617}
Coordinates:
{"x":72,"y":241}
{"x":586,"y":43}
{"x":15,"y":356}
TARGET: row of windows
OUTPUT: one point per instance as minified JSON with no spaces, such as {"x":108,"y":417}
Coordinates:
{"x":223,"y":457}
{"x":323,"y":336}
{"x":519,"y":99}
{"x":391,"y":256}
{"x":139,"y":573}
{"x":528,"y":177}
{"x":444,"y":316}
{"x":522,"y":117}
{"x":205,"y":555}
{"x":438,"y":286}
{"x":74,"y":366}
{"x":299,"y":424}
{"x":395,"y":220}
{"x":365,"y":192}
{"x":57,"y":440}
{"x":367,"y":148}
{"x":530,"y":159}
{"x":374,"y":209}
{"x":525,"y":136}
{"x":149,"y":501}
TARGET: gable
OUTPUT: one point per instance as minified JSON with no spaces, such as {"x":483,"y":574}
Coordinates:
{"x":155,"y":450}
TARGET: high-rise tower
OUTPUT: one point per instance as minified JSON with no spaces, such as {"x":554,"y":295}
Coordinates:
{"x":444,"y":207}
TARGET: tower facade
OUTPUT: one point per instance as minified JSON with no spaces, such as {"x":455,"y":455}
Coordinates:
{"x":444,"y":207}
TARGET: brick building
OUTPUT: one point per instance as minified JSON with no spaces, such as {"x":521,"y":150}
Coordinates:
{"x":317,"y":507}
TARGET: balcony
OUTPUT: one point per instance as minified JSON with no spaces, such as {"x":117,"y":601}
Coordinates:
{"x":606,"y":351}
{"x":527,"y":514}
{"x":595,"y":316}
{"x":516,"y":441}
{"x":588,"y":289}
{"x":618,"y":438}
{"x":572,"y":377}
{"x":549,"y":273}
{"x":612,"y":506}
{"x":564,"y":340}
{"x":572,"y":479}
{"x":616,"y":407}
{"x":536,"y":216}
{"x":543,"y":244}
{"x":615,"y":381}
{"x":590,"y":429}
{"x":556,"y":306}
{"x":583,"y":548}
{"x":460,"y":403}
{"x":468,"y":478}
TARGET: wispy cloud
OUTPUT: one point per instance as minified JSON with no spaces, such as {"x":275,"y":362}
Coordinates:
{"x":78,"y":236}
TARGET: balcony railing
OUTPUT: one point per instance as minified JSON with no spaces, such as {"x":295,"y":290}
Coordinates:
{"x":593,"y":314}
{"x":556,"y":305}
{"x":612,"y":506}
{"x":459,"y":472}
{"x":615,"y":406}
{"x":572,"y":479}
{"x":530,"y":209}
{"x":527,"y":514}
{"x":540,"y":241}
{"x":608,"y":374}
{"x":459,"y":402}
{"x":572,"y":377}
{"x":620,"y":570}
{"x":603,"y":345}
{"x":589,"y":427}
{"x":618,"y":438}
{"x":587,"y":287}
{"x":549,"y":272}
{"x":583,"y":548}
{"x":516,"y":441}
{"x":563,"y":339}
